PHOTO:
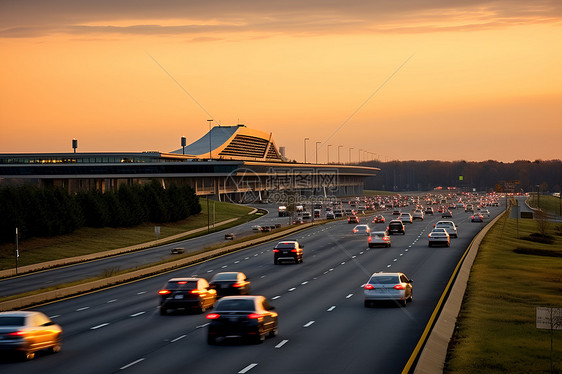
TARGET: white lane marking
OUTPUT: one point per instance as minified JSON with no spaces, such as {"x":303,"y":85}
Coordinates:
{"x":406,"y":250}
{"x":292,"y":289}
{"x":343,"y":263}
{"x":210,"y":271}
{"x":309,"y":324}
{"x":348,"y":296}
{"x":395,"y":260}
{"x":281,"y":344}
{"x":305,"y":282}
{"x":201,"y":326}
{"x":246,"y":258}
{"x":331,"y":269}
{"x":224,"y":267}
{"x":141,"y":293}
{"x":137,"y":314}
{"x":248,"y":368}
{"x":388,"y":266}
{"x":331,"y":308}
{"x":236,"y":261}
{"x":401,"y":254}
{"x":99,"y":326}
{"x":81,"y":309}
{"x":361,"y":253}
{"x":353,"y":256}
{"x":131,"y":364}
{"x":55,"y":316}
{"x":275,"y":297}
{"x":112,"y":301}
{"x":178,"y":338}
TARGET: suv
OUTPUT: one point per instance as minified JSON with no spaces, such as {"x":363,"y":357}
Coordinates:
{"x":187,"y":293}
{"x":396,"y":227}
{"x":352,"y":219}
{"x":288,"y":250}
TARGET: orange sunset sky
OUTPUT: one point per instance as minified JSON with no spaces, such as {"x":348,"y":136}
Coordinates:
{"x":403,"y":80}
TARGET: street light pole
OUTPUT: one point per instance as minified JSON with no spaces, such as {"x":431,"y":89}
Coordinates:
{"x":305,"y":139}
{"x":329,"y":145}
{"x":350,"y":148}
{"x":339,"y":146}
{"x":317,"y":151}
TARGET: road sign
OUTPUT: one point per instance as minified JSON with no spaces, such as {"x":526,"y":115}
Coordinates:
{"x":549,"y":318}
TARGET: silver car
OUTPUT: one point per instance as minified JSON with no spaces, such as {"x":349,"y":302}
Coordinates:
{"x":26,"y":332}
{"x":362,"y":229}
{"x":388,"y":286}
{"x":438,"y":236}
{"x":406,"y":217}
{"x":449,"y":226}
{"x":379,"y":238}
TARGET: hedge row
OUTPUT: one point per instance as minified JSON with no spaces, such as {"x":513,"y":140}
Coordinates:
{"x":40,"y":212}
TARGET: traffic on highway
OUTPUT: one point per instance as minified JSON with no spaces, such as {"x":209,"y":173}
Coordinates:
{"x":336,"y":305}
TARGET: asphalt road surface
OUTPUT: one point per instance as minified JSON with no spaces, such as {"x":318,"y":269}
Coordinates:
{"x":323,"y":324}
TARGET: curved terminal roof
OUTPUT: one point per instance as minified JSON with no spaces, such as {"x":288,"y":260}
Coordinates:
{"x":233,"y":143}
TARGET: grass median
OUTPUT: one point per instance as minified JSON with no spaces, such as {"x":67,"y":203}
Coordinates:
{"x":92,"y":240}
{"x":515,"y":271}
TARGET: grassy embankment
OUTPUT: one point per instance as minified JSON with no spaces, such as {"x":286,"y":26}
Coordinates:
{"x":512,"y":275}
{"x":91,"y":240}
{"x":548,"y":203}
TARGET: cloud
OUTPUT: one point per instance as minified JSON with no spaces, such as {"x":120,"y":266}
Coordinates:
{"x":36,"y":18}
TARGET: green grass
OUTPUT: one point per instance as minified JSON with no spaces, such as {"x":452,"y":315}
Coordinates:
{"x":550,"y":204}
{"x":496,"y":330}
{"x":378,"y":193}
{"x":90,"y":240}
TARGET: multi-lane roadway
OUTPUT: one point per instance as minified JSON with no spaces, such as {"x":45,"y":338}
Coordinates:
{"x":323,"y":324}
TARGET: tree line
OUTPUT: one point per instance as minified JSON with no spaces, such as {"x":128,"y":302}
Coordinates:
{"x":483,"y":176}
{"x":50,"y":211}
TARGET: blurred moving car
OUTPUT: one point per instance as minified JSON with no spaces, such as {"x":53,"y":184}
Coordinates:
{"x":477,"y":217}
{"x":379,"y":238}
{"x":188,"y":294}
{"x":396,"y":226}
{"x":418,"y":214}
{"x":26,"y":332}
{"x":485,"y":212}
{"x":250,"y":317}
{"x":447,"y":214}
{"x":352,"y":219}
{"x":379,"y":219}
{"x":406,"y":217}
{"x":388,"y":286}
{"x":362,"y":229}
{"x":429,"y":210}
{"x":449,"y":226}
{"x":330,"y":215}
{"x":229,"y":236}
{"x":230,"y":283}
{"x":438,"y":236}
{"x":396,"y":212}
{"x":288,"y":250}
{"x":177,"y":250}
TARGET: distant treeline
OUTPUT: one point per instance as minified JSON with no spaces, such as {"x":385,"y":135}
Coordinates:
{"x":41,"y":212}
{"x":482,"y":176}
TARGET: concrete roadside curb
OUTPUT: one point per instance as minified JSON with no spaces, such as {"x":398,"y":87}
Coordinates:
{"x":434,"y":352}
{"x":94,"y":256}
{"x":102,"y":283}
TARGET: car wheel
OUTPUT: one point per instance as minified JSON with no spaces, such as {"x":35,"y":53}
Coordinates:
{"x":411,"y":298}
{"x":163,"y":311}
{"x":403,"y":302}
{"x":28,"y":355}
{"x":275,"y":262}
{"x":211,"y":340}
{"x":367,"y":304}
{"x":389,"y":245}
{"x":56,"y":347}
{"x":273,"y":332}
{"x":259,"y":339}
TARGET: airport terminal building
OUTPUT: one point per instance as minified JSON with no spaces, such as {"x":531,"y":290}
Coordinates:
{"x":229,"y":162}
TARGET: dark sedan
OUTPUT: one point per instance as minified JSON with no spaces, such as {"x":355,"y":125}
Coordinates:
{"x":245,"y":317}
{"x":188,"y":294}
{"x":230,"y":283}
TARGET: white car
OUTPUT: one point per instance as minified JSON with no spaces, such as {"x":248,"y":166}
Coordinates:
{"x":438,"y":236}
{"x":449,"y":226}
{"x":406,"y":217}
{"x":388,"y":286}
{"x":485,"y":212}
{"x":362,"y":229}
{"x":418,"y":214}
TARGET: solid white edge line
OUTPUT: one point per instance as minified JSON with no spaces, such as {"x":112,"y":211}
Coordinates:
{"x":131,"y":364}
{"x":309,"y":324}
{"x":348,"y":296}
{"x":137,"y":314}
{"x":83,"y":308}
{"x":178,"y":338}
{"x":331,"y":308}
{"x":248,"y":368}
{"x":275,"y":297}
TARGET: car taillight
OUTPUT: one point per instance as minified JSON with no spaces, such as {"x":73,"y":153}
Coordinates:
{"x":195,"y":291}
{"x":275,"y":250}
{"x":386,"y":239}
{"x":293,"y":250}
{"x":213,"y":316}
{"x":164,"y":292}
{"x":237,"y":284}
{"x":370,"y":238}
{"x":369,"y":287}
{"x":254,"y":316}
{"x":399,"y":287}
{"x":16,"y":333}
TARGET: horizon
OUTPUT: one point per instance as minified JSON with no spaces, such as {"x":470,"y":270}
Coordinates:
{"x":399,"y":81}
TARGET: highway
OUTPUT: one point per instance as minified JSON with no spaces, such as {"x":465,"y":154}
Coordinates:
{"x":91,"y":269}
{"x":323,"y":324}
